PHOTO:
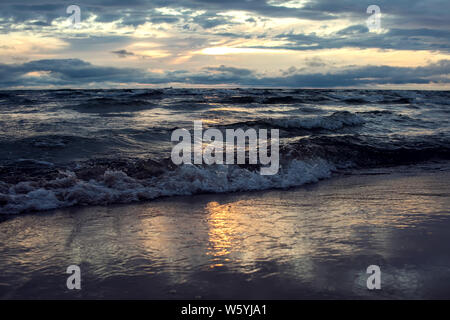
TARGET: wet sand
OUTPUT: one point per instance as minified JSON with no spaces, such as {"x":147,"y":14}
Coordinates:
{"x":315,"y":241}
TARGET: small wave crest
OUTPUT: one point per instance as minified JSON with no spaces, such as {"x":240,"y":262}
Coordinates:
{"x":335,"y":121}
{"x":107,"y":105}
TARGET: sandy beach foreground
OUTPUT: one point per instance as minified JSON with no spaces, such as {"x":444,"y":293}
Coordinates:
{"x":315,"y":241}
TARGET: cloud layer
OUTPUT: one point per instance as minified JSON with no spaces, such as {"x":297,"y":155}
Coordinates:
{"x":318,"y":43}
{"x":77,"y":73}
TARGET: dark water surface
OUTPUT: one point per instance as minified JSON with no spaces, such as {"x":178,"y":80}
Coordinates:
{"x":63,"y":148}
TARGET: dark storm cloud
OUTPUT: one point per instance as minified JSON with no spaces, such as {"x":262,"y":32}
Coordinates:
{"x":74,"y":72}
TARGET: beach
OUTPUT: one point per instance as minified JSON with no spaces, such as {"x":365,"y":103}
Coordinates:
{"x":310,"y":242}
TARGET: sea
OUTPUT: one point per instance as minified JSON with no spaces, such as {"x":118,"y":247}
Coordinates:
{"x":76,"y":147}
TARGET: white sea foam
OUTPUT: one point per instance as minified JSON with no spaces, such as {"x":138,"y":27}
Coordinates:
{"x":117,"y":187}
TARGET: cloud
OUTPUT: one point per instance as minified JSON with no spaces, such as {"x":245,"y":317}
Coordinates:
{"x":431,"y":13}
{"x":136,"y":12}
{"x":78,"y":73}
{"x":353,"y":30}
{"x":162,"y":35}
{"x":63,"y":72}
{"x":367,"y":75}
{"x":123,"y":53}
{"x":409,"y":24}
{"x":359,"y":36}
{"x":207,"y":21}
{"x":230,"y":70}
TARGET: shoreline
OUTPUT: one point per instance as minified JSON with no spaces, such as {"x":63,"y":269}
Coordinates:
{"x":313,"y":241}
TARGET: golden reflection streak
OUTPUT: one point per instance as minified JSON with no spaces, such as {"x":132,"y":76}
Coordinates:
{"x":244,"y":232}
{"x":221,"y":231}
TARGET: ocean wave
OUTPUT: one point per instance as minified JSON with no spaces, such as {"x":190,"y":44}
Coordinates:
{"x":54,"y":158}
{"x":280,"y":100}
{"x":239,"y":100}
{"x":356,"y":101}
{"x":367,"y":151}
{"x":402,"y":100}
{"x":108,"y":105}
{"x":117,"y":187}
{"x":335,"y":121}
{"x":149,"y":94}
{"x":31,"y":185}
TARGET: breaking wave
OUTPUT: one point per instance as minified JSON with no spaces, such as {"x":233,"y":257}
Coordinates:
{"x":117,"y":187}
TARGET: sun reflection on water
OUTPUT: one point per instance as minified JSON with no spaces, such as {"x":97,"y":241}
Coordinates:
{"x":221,"y":232}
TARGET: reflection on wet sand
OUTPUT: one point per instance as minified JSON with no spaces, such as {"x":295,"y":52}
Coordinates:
{"x":245,"y":232}
{"x":221,"y":234}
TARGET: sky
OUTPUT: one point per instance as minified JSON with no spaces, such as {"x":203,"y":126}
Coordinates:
{"x":225,"y":43}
